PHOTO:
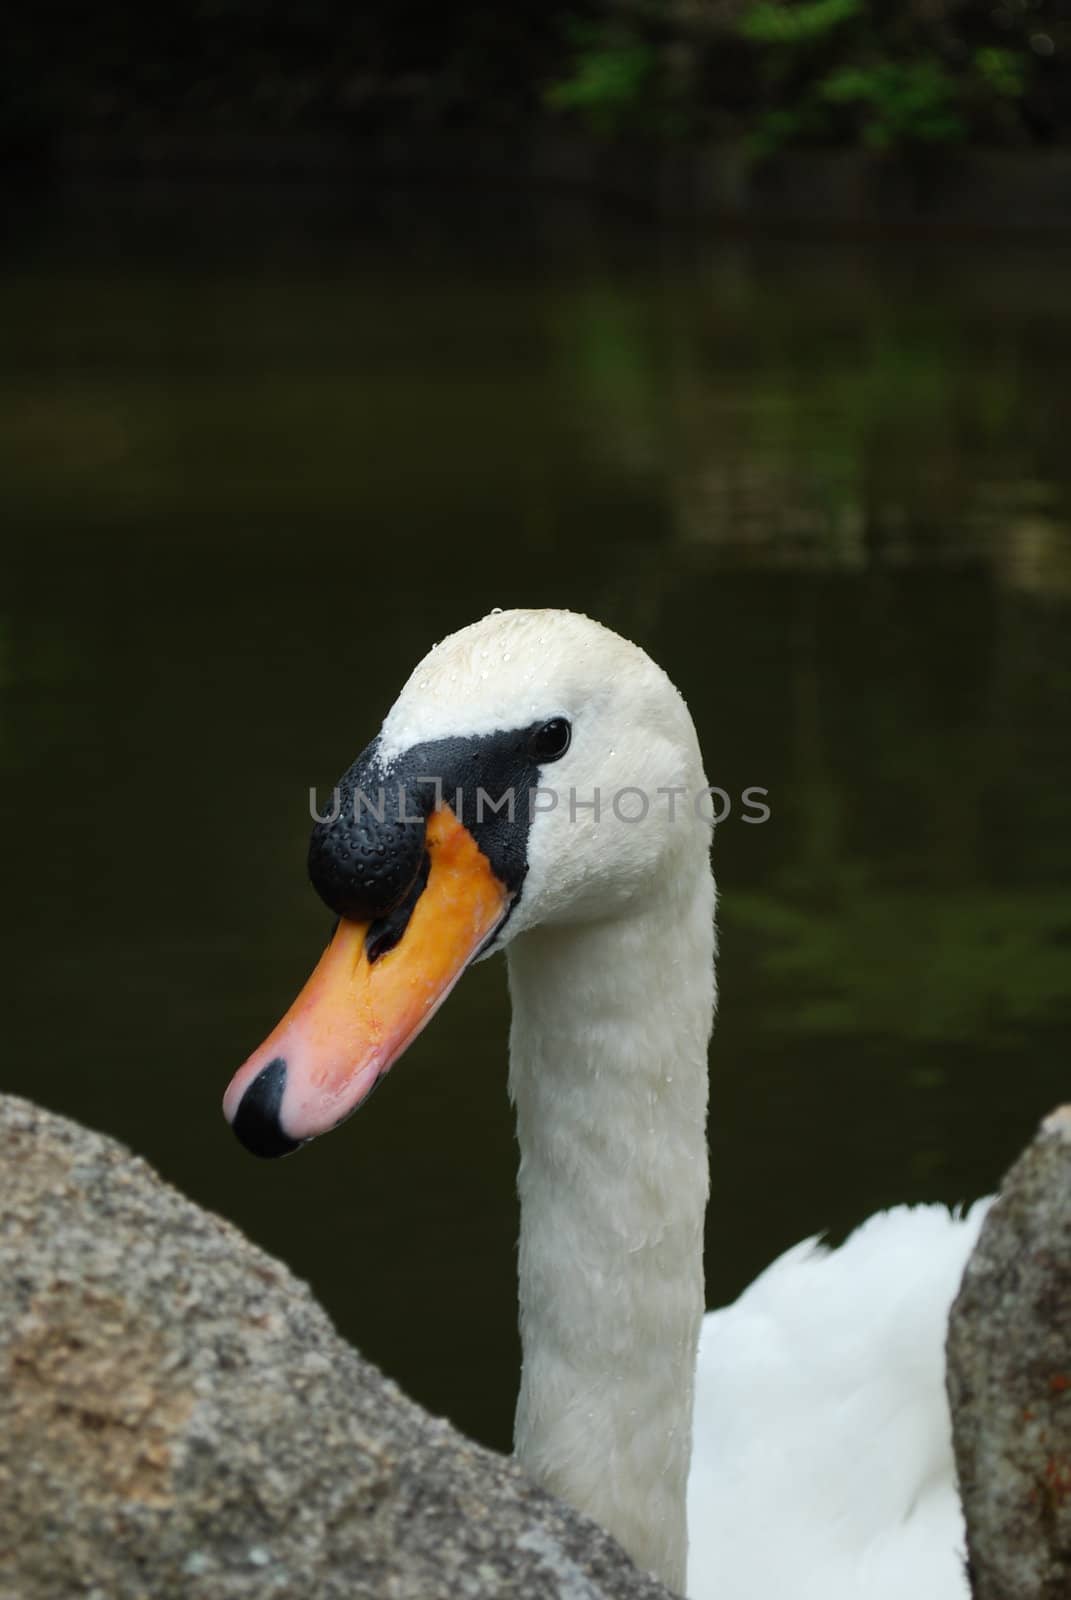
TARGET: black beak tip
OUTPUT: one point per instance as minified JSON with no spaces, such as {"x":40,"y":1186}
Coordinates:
{"x":256,"y":1122}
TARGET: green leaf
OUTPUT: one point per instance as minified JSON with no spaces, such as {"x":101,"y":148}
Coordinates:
{"x":1002,"y":71}
{"x":766,"y":22}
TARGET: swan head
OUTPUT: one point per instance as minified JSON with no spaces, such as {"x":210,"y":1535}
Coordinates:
{"x":536,"y":769}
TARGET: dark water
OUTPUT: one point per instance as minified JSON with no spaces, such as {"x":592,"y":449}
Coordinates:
{"x":256,"y":459}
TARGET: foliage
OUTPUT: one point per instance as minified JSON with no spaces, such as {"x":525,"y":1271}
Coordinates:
{"x":1002,"y":71}
{"x":845,"y":71}
{"x":900,"y":102}
{"x":875,"y":73}
{"x":608,"y":79}
{"x":855,"y":72}
{"x":766,"y":22}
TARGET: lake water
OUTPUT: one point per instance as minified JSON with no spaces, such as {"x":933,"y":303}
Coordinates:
{"x":256,"y":457}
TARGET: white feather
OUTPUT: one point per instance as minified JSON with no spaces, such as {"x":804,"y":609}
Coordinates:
{"x":822,"y":1466}
{"x":822,"y":1460}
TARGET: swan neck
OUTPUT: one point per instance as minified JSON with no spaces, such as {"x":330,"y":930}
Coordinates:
{"x":608,"y":1070}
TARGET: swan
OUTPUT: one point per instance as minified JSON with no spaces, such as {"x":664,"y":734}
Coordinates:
{"x":538,"y":788}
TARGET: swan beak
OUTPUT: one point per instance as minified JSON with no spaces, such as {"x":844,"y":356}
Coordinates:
{"x":360,"y":1009}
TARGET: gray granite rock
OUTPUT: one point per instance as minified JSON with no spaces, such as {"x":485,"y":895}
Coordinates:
{"x":179,"y":1418}
{"x":1009,"y":1380}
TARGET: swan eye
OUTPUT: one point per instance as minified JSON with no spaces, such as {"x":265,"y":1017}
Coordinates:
{"x":551,"y":741}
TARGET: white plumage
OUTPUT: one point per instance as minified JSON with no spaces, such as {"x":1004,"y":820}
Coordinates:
{"x":822,"y":1460}
{"x":822,"y":1467}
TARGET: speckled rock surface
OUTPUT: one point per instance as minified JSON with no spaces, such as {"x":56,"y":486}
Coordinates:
{"x":179,"y":1418}
{"x":1009,"y":1380}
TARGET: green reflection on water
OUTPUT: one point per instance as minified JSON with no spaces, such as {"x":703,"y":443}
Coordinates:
{"x":254,"y":465}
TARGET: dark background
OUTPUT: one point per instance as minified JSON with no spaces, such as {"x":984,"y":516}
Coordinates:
{"x":876,"y":73}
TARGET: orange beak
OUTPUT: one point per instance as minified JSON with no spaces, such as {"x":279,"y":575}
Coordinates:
{"x":356,"y":1016}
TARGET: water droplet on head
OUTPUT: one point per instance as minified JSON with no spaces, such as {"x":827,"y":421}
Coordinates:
{"x":496,"y":611}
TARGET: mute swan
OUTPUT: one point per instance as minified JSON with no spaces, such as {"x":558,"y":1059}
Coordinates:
{"x":538,"y":787}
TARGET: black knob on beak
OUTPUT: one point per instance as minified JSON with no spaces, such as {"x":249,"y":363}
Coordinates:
{"x":364,"y":860}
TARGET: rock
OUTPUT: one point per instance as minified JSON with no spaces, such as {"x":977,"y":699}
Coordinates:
{"x":179,"y":1418}
{"x":1009,"y":1380}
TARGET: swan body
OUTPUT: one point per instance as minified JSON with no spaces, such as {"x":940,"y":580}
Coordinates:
{"x":820,"y":1408}
{"x":797,"y":1440}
